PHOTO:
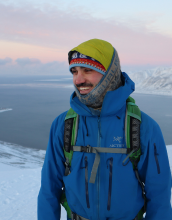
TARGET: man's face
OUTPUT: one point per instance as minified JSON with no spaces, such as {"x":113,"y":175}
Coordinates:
{"x":85,"y":79}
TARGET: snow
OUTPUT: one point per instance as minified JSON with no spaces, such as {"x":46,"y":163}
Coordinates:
{"x":20,"y":180}
{"x":153,"y":81}
{"x":20,"y":157}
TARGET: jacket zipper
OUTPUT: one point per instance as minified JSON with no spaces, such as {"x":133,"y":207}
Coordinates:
{"x":156,"y":158}
{"x":86,"y":183}
{"x":98,"y":173}
{"x":110,"y":183}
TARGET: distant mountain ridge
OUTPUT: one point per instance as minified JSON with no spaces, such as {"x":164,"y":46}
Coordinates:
{"x":153,"y":81}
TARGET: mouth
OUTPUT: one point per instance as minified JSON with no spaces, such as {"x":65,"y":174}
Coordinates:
{"x":85,"y":90}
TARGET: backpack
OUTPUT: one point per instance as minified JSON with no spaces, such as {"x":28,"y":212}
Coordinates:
{"x":133,"y":150}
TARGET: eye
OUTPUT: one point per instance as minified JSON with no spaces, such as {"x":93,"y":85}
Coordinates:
{"x":73,"y":72}
{"x":88,"y":70}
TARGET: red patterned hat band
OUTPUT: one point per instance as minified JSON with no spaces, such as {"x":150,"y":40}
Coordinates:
{"x":79,"y":59}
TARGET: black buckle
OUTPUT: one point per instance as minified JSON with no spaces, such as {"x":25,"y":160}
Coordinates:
{"x":87,"y":149}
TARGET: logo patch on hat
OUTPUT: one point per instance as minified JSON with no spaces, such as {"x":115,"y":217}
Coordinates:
{"x":74,"y":55}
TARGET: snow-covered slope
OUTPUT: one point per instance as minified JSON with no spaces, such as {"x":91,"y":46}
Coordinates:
{"x":153,"y":81}
{"x":20,"y":157}
{"x":20,"y":180}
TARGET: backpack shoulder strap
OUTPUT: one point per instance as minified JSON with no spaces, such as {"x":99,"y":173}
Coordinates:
{"x":70,"y":133}
{"x":132,"y":128}
{"x":132,"y":136}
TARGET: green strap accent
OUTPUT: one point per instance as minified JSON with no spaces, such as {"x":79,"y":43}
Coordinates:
{"x":130,"y":99}
{"x":133,"y":109}
{"x":131,"y":103}
{"x":70,"y":114}
{"x":134,"y":115}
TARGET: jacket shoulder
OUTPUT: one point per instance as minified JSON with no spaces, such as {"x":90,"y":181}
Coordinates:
{"x":58,"y":123}
{"x":150,"y":131}
{"x":148,"y":123}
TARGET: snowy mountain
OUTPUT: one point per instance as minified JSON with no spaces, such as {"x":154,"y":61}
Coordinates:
{"x":153,"y":81}
{"x":20,"y":180}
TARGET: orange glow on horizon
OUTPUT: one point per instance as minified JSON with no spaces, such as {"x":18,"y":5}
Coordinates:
{"x":47,"y":54}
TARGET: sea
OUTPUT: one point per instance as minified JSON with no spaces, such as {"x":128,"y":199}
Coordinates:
{"x":37,"y":100}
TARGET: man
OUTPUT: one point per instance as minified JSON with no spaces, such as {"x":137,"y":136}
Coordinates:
{"x":110,"y":190}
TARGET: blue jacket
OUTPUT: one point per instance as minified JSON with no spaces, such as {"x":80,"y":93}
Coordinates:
{"x":99,"y":201}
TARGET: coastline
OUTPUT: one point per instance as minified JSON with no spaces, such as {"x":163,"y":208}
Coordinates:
{"x":154,"y":92}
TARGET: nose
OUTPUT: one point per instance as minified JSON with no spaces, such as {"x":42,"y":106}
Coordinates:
{"x":79,"y":78}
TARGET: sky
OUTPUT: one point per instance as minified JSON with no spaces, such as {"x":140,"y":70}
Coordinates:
{"x":36,"y":35}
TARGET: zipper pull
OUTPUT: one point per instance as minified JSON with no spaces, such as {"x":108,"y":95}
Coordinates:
{"x":99,"y":126}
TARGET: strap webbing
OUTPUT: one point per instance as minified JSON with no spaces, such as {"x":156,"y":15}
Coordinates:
{"x":74,"y":216}
{"x":97,"y":150}
{"x":89,"y":149}
{"x":95,"y":168}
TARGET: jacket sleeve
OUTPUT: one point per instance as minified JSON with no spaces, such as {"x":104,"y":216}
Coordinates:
{"x":156,"y":174}
{"x":52,"y":174}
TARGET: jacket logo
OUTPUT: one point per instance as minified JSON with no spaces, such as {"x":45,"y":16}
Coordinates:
{"x":118,"y":139}
{"x":118,"y":144}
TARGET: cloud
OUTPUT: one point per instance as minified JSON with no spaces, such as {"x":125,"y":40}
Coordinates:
{"x":27,"y":66}
{"x":5,"y":61}
{"x":61,"y":31}
{"x":27,"y":61}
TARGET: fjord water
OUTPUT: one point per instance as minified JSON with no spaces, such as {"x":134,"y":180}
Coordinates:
{"x":37,"y":101}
